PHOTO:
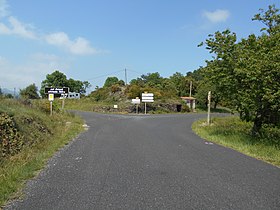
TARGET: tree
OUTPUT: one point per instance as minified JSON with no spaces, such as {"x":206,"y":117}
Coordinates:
{"x":110,"y":81}
{"x":270,"y":18}
{"x":180,"y":83}
{"x":247,"y":73}
{"x":30,"y":92}
{"x":55,"y":79}
{"x":152,"y":80}
{"x":59,"y":80}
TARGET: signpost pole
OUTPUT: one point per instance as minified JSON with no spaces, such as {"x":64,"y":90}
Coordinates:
{"x":51,"y":108}
{"x":209,"y":107}
{"x":145,"y":108}
{"x":63,"y":102}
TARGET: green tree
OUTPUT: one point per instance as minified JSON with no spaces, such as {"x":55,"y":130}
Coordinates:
{"x":152,"y":80}
{"x":55,"y":79}
{"x":30,"y":92}
{"x":180,"y":83}
{"x":110,"y":81}
{"x":270,"y":18}
{"x":59,"y":80}
{"x":247,"y":73}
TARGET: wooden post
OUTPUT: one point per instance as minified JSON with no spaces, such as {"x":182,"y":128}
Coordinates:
{"x":51,"y":110}
{"x":209,"y":107}
{"x":63,"y":103}
{"x":145,"y":108}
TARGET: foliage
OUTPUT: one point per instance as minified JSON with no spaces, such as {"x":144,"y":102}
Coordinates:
{"x":42,"y":136}
{"x":247,"y":73}
{"x":30,"y":92}
{"x":11,"y":141}
{"x":100,"y":94}
{"x":20,"y":125}
{"x":270,"y":18}
{"x":179,"y":83}
{"x":110,"y":81}
{"x":59,"y":80}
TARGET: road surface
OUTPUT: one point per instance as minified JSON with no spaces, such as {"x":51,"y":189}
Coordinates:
{"x":150,"y":162}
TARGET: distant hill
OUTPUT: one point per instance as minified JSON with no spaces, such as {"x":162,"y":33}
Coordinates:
{"x":7,"y":91}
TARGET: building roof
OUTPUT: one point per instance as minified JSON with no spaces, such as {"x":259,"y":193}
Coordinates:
{"x":187,"y":98}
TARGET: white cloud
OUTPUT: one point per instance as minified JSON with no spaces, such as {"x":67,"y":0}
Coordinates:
{"x":80,"y":46}
{"x":34,"y":70}
{"x":216,"y":16}
{"x":3,"y":8}
{"x":17,"y":28}
{"x":12,"y":26}
{"x":44,"y":57}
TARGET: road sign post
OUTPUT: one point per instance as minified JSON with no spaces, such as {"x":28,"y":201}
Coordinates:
{"x":137,"y":102}
{"x":51,"y":91}
{"x":209,"y":107}
{"x":51,"y":98}
{"x":147,"y":98}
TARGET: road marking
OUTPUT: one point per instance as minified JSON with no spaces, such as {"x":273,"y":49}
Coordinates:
{"x":85,"y":126}
{"x":209,"y":143}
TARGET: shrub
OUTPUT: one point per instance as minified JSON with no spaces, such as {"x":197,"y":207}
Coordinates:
{"x":11,"y":142}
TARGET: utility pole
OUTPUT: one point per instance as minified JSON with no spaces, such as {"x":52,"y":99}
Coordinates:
{"x":191,"y":89}
{"x":125,"y":73}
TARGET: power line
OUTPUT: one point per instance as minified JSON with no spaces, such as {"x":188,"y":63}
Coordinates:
{"x":135,"y":71}
{"x":105,"y":75}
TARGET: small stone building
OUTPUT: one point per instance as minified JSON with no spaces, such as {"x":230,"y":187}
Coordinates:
{"x":190,"y":101}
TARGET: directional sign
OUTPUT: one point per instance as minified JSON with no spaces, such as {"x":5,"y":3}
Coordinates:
{"x":136,"y":101}
{"x":56,"y":91}
{"x":51,"y":97}
{"x":147,"y":97}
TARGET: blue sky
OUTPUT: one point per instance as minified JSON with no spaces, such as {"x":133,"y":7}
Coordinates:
{"x":93,"y":39}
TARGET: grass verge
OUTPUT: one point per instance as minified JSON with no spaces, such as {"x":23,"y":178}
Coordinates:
{"x":15,"y":170}
{"x":233,"y":133}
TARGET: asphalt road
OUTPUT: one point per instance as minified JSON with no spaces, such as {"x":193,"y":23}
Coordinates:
{"x":150,"y":162}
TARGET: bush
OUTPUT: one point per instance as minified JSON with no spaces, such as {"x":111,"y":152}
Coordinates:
{"x":11,"y":142}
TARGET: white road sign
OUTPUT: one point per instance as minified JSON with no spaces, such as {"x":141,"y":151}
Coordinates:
{"x":147,"y":97}
{"x":136,"y":101}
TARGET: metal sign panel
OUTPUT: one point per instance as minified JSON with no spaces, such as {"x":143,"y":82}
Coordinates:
{"x":148,"y":100}
{"x":135,"y":101}
{"x":51,"y":97}
{"x":56,"y":91}
{"x":147,"y":97}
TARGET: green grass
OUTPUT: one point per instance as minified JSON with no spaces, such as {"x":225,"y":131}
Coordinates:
{"x":16,"y":169}
{"x":233,"y":133}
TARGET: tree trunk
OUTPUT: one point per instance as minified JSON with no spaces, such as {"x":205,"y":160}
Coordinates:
{"x":257,"y":123}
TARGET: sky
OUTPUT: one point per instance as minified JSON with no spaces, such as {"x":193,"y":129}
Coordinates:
{"x":90,"y":40}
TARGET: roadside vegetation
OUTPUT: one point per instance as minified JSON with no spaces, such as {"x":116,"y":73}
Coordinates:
{"x":28,"y":138}
{"x":243,"y":76}
{"x":236,"y":134}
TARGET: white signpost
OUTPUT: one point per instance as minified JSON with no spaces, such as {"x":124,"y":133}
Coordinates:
{"x":209,"y":107}
{"x":51,"y":98}
{"x":52,"y":91}
{"x":147,"y":98}
{"x":137,"y":102}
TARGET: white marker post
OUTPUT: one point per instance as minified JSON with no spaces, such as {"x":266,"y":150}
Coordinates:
{"x":51,"y":98}
{"x":209,"y":107}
